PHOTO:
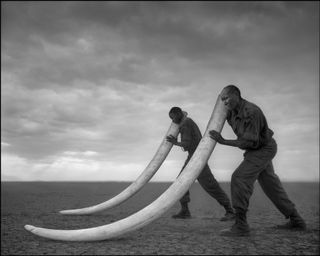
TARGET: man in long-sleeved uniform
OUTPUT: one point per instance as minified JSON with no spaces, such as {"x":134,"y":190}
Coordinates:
{"x":254,"y":136}
{"x":190,"y":138}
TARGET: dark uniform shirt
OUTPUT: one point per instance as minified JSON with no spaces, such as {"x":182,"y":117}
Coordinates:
{"x":191,"y":135}
{"x":250,"y":125}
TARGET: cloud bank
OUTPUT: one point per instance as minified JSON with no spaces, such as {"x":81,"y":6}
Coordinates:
{"x":86,"y":86}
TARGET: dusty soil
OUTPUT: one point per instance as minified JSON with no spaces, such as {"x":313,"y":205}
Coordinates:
{"x":38,"y":203}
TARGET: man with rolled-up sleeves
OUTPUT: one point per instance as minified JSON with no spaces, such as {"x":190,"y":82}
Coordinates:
{"x":190,"y":138}
{"x":254,"y":136}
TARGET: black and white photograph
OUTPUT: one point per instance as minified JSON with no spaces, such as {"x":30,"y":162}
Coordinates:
{"x":160,"y":127}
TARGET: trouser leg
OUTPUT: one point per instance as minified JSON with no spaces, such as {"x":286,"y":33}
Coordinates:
{"x":272,"y":187}
{"x":212,"y":187}
{"x":243,"y":178}
{"x":242,"y":184}
{"x":185,"y":199}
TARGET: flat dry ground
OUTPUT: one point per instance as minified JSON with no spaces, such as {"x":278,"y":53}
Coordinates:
{"x":38,"y":203}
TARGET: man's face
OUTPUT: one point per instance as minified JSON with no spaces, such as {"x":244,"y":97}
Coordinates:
{"x":176,"y":117}
{"x":231,"y":100}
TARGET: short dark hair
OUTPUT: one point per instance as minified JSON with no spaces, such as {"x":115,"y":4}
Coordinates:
{"x":233,"y":89}
{"x":175,"y":110}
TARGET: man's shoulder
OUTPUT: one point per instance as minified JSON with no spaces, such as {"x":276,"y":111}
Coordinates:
{"x":251,"y":108}
{"x":188,"y":123}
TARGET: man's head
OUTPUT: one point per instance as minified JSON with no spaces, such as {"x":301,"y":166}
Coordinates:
{"x":176,"y":115}
{"x":231,"y":96}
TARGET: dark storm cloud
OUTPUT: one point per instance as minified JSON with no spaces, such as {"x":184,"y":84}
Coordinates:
{"x":139,"y":38}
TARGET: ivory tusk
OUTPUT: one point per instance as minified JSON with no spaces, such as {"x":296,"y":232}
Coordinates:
{"x":157,"y":207}
{"x":134,"y":187}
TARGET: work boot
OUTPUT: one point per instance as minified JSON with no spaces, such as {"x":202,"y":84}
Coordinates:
{"x":229,"y":214}
{"x":239,"y":228}
{"x":184,"y":212}
{"x":295,"y":223}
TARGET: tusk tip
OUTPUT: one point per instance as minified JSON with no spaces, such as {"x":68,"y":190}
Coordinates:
{"x":29,"y":227}
{"x":68,"y":212}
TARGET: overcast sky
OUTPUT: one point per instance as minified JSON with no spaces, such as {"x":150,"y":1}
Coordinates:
{"x":86,"y":86}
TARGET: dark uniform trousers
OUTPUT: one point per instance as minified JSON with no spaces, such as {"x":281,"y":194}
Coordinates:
{"x":257,"y":164}
{"x":209,"y":184}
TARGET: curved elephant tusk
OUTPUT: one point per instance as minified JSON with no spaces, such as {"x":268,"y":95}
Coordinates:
{"x":160,"y":205}
{"x":134,"y":187}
